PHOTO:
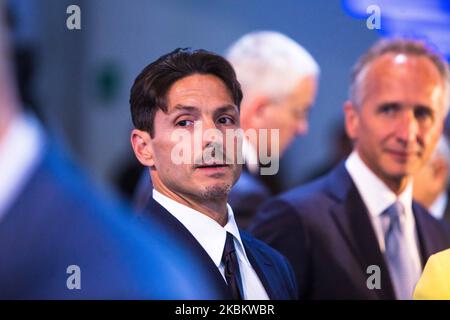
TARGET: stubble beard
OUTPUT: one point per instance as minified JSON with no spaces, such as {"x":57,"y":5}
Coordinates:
{"x":216,"y":192}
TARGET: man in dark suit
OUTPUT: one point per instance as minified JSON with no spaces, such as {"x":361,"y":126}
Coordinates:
{"x":279,"y":80}
{"x":61,"y":239}
{"x":185,"y":108}
{"x":356,"y":233}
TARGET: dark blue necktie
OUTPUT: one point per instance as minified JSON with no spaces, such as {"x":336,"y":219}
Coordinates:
{"x":232,"y":274}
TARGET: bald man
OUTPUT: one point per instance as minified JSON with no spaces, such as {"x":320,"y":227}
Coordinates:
{"x":356,"y":233}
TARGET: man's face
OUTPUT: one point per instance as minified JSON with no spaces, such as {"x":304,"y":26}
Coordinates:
{"x":194,"y":100}
{"x":401,"y":115}
{"x":290,"y":114}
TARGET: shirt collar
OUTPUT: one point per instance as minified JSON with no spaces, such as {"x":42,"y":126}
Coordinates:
{"x":20,"y":151}
{"x":205,"y":230}
{"x":374,"y":192}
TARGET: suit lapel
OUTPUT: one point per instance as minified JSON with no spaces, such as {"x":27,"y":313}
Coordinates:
{"x":352,"y":218}
{"x":261,"y":265}
{"x":425,"y":245}
{"x":157,"y":212}
{"x":446,"y":217}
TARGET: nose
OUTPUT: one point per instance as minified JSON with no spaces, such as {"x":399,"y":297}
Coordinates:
{"x":407,"y":128}
{"x":210,"y":133}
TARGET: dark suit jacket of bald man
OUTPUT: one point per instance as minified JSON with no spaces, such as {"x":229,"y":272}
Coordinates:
{"x":324,"y":229}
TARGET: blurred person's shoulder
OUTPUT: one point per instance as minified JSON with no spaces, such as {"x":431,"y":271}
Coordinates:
{"x":61,"y":219}
{"x":312,"y":194}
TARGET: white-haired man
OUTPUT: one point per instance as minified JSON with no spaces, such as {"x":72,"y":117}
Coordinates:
{"x":279,"y":80}
{"x":430,"y":183}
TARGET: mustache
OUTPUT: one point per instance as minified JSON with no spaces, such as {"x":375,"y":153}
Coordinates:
{"x":213,"y":154}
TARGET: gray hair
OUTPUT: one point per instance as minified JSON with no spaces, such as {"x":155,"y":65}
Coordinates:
{"x":270,"y":62}
{"x":398,"y":46}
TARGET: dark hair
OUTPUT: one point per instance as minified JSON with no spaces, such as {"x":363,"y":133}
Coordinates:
{"x":149,"y":91}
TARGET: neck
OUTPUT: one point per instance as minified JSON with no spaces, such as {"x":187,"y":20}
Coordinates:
{"x":427,"y":198}
{"x":215,"y":208}
{"x":397,"y":186}
{"x":426,"y":201}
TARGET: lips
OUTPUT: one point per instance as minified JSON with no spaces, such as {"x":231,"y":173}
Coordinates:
{"x":403,"y":155}
{"x":212,"y":165}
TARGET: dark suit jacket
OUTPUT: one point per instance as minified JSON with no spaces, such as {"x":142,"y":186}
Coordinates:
{"x":271,"y":267}
{"x":324,"y":229}
{"x":59,"y":220}
{"x":446,"y":216}
{"x":246,"y":196}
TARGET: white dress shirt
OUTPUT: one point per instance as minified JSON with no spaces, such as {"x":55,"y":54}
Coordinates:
{"x":20,"y":151}
{"x":211,"y":237}
{"x":378,"y":197}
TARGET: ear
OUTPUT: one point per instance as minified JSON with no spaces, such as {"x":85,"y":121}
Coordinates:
{"x":142,"y":147}
{"x":253,"y":114}
{"x":351,"y":120}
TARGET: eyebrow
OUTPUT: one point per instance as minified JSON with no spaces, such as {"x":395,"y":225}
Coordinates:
{"x":226,"y":108}
{"x":180,"y":107}
{"x":389,"y":104}
{"x":222,"y":109}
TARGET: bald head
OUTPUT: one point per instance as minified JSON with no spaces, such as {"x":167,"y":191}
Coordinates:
{"x":8,"y":95}
{"x":402,"y":50}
